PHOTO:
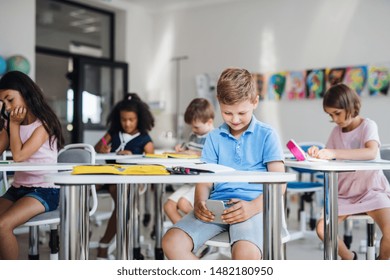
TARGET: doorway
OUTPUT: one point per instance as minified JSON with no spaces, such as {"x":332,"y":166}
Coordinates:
{"x":82,"y":91}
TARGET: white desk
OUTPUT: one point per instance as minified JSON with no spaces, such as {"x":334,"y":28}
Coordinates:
{"x":168,"y":162}
{"x":72,"y":242}
{"x":115,"y":156}
{"x":331,"y":170}
{"x":25,"y":166}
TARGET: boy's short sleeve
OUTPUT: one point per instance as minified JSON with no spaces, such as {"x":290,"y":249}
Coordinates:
{"x":209,"y":151}
{"x":272,"y":148}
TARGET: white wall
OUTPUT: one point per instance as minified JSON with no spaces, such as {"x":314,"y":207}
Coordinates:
{"x":262,"y":36}
{"x":17,"y":30}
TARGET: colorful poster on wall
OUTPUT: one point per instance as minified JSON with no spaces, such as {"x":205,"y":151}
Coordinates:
{"x":315,"y":83}
{"x":276,"y":86}
{"x":373,"y":80}
{"x":295,"y":85}
{"x":356,"y":78}
{"x":260,"y":85}
{"x":334,"y":76}
{"x":378,"y":80}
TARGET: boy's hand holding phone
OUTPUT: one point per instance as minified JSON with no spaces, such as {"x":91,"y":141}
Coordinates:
{"x":202,"y":212}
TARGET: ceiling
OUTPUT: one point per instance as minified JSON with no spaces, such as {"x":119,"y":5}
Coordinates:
{"x":165,"y":5}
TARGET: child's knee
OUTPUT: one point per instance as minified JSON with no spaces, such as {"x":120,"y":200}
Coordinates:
{"x":245,"y":250}
{"x":320,"y":229}
{"x":174,"y":238}
{"x":184,"y":205}
{"x":170,"y":206}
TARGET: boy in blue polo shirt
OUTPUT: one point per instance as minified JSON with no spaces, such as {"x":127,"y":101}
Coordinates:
{"x":243,"y":143}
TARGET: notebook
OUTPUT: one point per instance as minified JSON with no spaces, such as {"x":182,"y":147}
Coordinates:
{"x":172,"y":155}
{"x":120,"y":169}
{"x":299,"y":154}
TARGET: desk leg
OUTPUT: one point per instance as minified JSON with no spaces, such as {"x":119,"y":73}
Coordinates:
{"x":330,"y":215}
{"x":272,"y":221}
{"x":122,"y":234}
{"x":158,"y":192}
{"x":136,"y":224}
{"x":74,"y":222}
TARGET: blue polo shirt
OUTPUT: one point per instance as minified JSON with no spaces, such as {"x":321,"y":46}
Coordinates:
{"x":257,"y":146}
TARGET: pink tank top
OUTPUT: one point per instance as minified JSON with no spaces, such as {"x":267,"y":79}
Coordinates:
{"x":45,"y":154}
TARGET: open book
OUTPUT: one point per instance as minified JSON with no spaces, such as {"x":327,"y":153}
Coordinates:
{"x":299,"y":154}
{"x":172,"y":155}
{"x":196,"y":168}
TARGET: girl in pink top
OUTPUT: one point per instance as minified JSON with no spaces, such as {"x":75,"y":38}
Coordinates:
{"x":355,"y":138}
{"x":30,"y":128}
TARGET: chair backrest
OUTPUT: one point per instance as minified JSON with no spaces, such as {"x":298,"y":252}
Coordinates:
{"x":77,"y":153}
{"x":80,"y":153}
{"x":385,"y":154}
{"x":3,"y":177}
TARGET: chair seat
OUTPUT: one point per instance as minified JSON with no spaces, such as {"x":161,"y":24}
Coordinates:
{"x":223,"y":239}
{"x":305,"y":186}
{"x":220,"y":240}
{"x":47,"y":218}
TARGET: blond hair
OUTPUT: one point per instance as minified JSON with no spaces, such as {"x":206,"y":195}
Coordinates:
{"x":236,"y":85}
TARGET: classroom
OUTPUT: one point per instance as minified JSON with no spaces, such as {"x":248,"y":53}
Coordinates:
{"x":170,"y":52}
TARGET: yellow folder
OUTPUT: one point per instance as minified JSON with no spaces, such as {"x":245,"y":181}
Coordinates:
{"x":120,"y":169}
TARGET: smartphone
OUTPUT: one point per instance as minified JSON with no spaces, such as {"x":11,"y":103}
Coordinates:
{"x":216,"y":207}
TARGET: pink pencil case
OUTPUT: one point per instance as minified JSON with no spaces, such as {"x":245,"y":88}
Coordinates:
{"x":294,"y":148}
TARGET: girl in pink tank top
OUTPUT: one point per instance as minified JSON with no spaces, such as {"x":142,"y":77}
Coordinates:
{"x":32,"y":131}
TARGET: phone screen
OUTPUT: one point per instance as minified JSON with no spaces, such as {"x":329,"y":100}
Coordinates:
{"x":216,"y":207}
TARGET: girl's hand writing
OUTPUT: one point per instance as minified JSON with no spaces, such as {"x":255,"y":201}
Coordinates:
{"x":314,"y":151}
{"x":124,"y":152}
{"x":105,"y":149}
{"x":240,"y":211}
{"x":202,"y":213}
{"x":179,"y":148}
{"x":18,"y":114}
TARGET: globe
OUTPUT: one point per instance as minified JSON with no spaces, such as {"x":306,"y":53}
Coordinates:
{"x":3,"y":66}
{"x":18,"y":63}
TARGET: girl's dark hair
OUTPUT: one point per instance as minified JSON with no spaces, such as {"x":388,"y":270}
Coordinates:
{"x":36,"y":103}
{"x":341,"y":96}
{"x":131,"y":103}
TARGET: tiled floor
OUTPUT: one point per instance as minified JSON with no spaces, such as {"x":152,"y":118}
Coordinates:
{"x":308,"y":248}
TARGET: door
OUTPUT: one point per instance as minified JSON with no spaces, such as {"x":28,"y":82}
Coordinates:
{"x":96,"y":85}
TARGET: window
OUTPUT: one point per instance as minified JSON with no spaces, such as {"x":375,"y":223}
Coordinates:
{"x":74,"y":28}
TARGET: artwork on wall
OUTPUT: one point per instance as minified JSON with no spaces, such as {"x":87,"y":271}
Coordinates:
{"x":366,"y":80}
{"x":356,"y":78}
{"x":334,"y":76}
{"x":260,"y":85}
{"x":295,"y":85}
{"x":276,"y":86}
{"x":315,"y":83}
{"x":378,"y":80}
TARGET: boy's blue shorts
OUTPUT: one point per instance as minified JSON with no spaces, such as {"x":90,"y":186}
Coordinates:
{"x":250,"y":230}
{"x":49,"y":197}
